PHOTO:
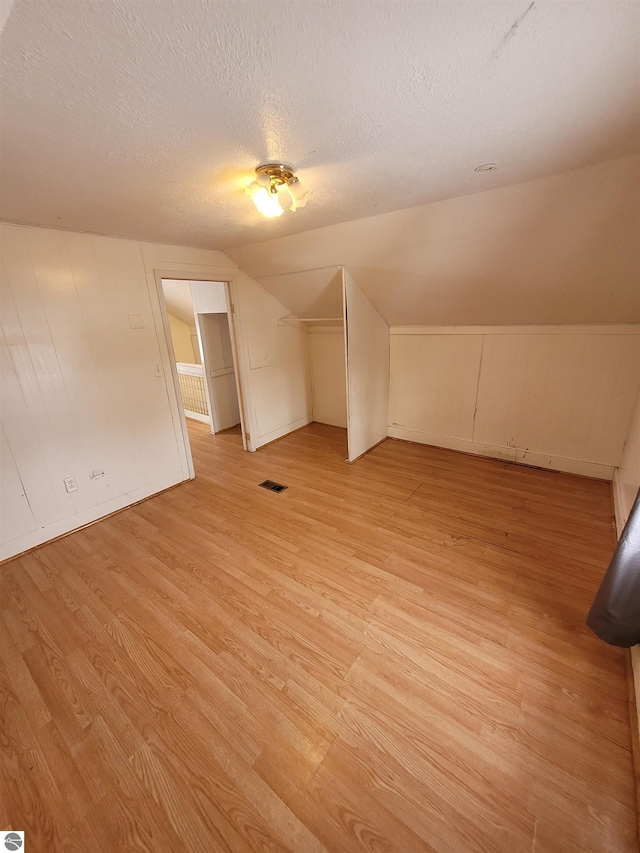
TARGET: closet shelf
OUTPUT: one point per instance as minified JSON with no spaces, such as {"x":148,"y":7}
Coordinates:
{"x":286,"y":320}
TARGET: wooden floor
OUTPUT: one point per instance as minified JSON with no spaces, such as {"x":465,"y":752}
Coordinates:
{"x":389,"y":656}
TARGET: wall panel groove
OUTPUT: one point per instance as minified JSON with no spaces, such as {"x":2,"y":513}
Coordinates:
{"x":550,"y":399}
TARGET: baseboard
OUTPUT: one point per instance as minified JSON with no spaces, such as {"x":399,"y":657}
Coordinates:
{"x":509,"y":454}
{"x":196,"y":416}
{"x":328,"y":423}
{"x":620,"y":510}
{"x":282,"y":431}
{"x":368,"y":450}
{"x":28,"y":541}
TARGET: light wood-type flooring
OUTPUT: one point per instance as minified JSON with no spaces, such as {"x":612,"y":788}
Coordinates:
{"x":388,"y":656}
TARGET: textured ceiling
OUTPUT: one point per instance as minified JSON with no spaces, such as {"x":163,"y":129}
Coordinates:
{"x":561,"y":249}
{"x":146,"y":119}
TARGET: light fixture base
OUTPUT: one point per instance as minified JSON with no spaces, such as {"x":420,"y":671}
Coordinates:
{"x":278,"y":173}
{"x":276,"y":185}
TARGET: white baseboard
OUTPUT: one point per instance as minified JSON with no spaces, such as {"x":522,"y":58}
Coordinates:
{"x":268,"y":437}
{"x":67,"y":525}
{"x":510,"y":454}
{"x":196,"y":416}
{"x":620,"y":510}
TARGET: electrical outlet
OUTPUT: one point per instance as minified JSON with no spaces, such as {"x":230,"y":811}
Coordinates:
{"x":70,"y":484}
{"x":136,"y":321}
{"x":158,"y":371}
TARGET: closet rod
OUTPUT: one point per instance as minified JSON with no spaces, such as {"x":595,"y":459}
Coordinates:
{"x":310,"y":320}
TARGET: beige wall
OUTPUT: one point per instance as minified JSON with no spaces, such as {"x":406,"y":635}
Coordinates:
{"x":86,"y":375}
{"x":328,"y":375}
{"x":561,"y":249}
{"x":182,"y":341}
{"x":555,"y":397}
{"x":84,"y":379}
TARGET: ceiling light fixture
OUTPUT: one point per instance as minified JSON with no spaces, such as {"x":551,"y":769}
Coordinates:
{"x":276,"y":185}
{"x":486,"y":167}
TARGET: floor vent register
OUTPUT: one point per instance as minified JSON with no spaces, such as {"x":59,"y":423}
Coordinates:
{"x":273,"y":487}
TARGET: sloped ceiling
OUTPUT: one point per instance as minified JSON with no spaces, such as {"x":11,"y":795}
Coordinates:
{"x":146,"y":119}
{"x":564,"y":249}
{"x":314,"y":294}
{"x":177,"y":295}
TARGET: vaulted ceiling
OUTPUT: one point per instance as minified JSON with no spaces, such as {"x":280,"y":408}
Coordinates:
{"x":146,"y":119}
{"x":561,"y":249}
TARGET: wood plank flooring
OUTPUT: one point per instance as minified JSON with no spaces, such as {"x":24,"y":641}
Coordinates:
{"x":389,"y":656}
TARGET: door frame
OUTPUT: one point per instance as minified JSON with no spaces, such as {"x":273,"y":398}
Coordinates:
{"x":202,"y":346}
{"x":183,"y":273}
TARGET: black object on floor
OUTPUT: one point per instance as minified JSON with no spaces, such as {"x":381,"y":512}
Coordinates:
{"x":273,"y":487}
{"x":615,"y":612}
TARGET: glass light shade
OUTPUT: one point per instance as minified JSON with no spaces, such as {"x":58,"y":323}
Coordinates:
{"x":298,"y":195}
{"x":266,"y":202}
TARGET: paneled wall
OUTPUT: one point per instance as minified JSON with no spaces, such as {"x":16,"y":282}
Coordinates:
{"x":86,"y":376}
{"x":276,"y":364}
{"x":80,"y":395}
{"x":554,"y":396}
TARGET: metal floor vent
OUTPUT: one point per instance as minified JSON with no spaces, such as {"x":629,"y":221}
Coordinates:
{"x":273,"y":487}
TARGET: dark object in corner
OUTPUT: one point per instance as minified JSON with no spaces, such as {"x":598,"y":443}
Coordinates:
{"x":273,"y":487}
{"x":615,"y":612}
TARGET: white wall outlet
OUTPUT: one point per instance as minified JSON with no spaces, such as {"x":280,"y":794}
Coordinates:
{"x":136,"y":321}
{"x":158,"y":371}
{"x":70,"y":484}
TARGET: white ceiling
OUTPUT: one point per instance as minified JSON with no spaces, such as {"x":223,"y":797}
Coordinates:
{"x":561,"y":249}
{"x":146,"y":119}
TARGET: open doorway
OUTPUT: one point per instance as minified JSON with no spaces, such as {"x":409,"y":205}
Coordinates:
{"x":202,"y":343}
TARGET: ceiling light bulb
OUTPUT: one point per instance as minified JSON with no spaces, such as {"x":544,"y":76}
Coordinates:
{"x":266,"y":202}
{"x":275,"y":188}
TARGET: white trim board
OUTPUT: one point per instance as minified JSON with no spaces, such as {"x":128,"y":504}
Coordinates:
{"x":619,"y":509}
{"x":69,"y":524}
{"x":610,"y":329}
{"x":196,"y":416}
{"x":268,"y":437}
{"x":507,"y":454}
{"x":190,"y":369}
